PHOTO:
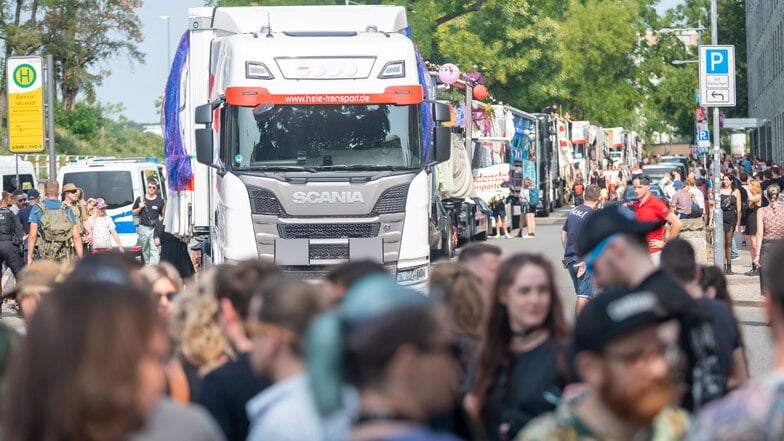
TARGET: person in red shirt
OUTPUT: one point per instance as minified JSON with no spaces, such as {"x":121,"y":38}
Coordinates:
{"x":649,"y":208}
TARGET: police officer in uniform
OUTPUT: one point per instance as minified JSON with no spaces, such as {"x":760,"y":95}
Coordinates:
{"x":10,"y":240}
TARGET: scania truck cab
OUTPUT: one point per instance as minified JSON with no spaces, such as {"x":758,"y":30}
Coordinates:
{"x":314,"y":125}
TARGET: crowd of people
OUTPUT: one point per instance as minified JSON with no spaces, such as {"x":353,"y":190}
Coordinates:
{"x":110,"y":349}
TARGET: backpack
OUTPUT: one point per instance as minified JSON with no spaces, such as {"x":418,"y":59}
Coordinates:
{"x":533,"y":197}
{"x":54,"y":233}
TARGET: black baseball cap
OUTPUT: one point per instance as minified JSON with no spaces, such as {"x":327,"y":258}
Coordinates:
{"x":603,"y":223}
{"x":616,"y":313}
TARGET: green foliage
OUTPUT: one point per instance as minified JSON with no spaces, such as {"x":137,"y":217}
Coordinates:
{"x":79,"y":34}
{"x":594,"y":57}
{"x":84,"y":121}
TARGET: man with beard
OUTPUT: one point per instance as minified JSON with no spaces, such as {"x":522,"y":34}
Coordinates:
{"x":625,"y":358}
{"x":754,"y":412}
{"x":614,"y":247}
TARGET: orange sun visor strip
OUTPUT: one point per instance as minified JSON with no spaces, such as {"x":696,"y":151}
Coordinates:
{"x":252,"y":96}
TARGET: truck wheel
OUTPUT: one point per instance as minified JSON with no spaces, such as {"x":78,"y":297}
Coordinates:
{"x":482,"y":236}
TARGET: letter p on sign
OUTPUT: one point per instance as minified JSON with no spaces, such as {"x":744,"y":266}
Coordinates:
{"x":718,"y":61}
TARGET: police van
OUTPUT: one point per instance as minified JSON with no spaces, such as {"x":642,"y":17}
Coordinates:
{"x":119,"y":181}
{"x":10,"y":168}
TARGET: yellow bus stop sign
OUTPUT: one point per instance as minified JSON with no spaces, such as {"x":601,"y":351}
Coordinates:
{"x":25,"y":105}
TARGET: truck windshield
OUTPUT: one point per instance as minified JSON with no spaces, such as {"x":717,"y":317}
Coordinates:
{"x":324,"y":137}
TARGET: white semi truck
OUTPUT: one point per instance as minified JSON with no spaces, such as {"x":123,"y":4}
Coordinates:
{"x":313,"y":134}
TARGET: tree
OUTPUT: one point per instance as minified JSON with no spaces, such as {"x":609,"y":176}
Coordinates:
{"x":516,"y":41}
{"x":80,"y":34}
{"x":732,"y":30}
{"x":603,"y":50}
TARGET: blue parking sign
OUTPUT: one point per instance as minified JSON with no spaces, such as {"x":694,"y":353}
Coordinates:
{"x":703,"y":135}
{"x":717,"y":61}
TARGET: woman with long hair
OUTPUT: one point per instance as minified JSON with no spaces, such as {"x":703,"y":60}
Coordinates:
{"x":463,"y":296}
{"x":754,"y":190}
{"x":165,"y":283}
{"x":523,"y":366}
{"x":200,"y":346}
{"x":529,"y":200}
{"x":770,"y":228}
{"x":89,"y":368}
{"x":730,"y":208}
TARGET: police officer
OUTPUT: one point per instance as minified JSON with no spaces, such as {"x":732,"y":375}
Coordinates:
{"x":10,"y":236}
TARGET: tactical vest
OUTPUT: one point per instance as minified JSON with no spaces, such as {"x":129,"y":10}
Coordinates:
{"x":6,"y":225}
{"x":54,"y":233}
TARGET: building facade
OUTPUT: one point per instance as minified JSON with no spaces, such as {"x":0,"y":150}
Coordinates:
{"x":765,"y":56}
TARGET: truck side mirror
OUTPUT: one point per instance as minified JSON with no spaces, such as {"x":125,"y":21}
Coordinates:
{"x":441,"y":112}
{"x":442,"y":143}
{"x":204,"y":148}
{"x":203,"y":114}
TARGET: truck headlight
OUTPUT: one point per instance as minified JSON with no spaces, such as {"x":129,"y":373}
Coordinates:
{"x":410,"y":276}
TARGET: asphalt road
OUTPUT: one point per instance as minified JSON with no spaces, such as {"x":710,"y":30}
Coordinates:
{"x":756,"y":334}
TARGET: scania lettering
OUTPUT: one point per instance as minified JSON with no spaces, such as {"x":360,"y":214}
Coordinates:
{"x":304,"y":135}
{"x":326,"y":197}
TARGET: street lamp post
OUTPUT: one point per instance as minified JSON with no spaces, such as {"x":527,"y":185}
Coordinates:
{"x":718,"y":217}
{"x":168,"y":39}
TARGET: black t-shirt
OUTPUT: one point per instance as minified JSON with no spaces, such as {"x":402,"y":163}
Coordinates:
{"x":726,"y":330}
{"x":152,"y":212}
{"x":225,"y":391}
{"x":531,"y":387}
{"x":697,"y":339}
{"x":572,"y":227}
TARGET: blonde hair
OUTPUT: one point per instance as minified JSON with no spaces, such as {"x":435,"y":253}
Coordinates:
{"x":153,"y":273}
{"x":194,"y":324}
{"x":462,"y":293}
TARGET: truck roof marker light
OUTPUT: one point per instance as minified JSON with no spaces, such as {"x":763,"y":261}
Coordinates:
{"x":393,"y":69}
{"x":258,"y":71}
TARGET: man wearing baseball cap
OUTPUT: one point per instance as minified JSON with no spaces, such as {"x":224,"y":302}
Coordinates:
{"x":649,"y":208}
{"x":614,"y":247}
{"x":626,"y":360}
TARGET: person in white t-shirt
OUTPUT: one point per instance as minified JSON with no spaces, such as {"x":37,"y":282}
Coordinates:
{"x":103,"y":229}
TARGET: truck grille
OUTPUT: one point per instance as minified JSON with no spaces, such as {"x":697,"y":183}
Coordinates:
{"x":392,"y":200}
{"x":264,"y":202}
{"x":328,"y":251}
{"x":328,"y":231}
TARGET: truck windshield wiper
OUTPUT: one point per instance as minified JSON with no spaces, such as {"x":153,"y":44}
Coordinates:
{"x":289,"y":168}
{"x":362,"y":167}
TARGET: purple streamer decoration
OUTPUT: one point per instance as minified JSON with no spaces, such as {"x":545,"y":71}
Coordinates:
{"x":178,"y":162}
{"x":425,"y":109}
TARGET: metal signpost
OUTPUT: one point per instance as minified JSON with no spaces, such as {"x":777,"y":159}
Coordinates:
{"x":717,"y":89}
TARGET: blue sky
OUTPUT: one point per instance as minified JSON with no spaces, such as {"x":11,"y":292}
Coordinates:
{"x":137,"y":86}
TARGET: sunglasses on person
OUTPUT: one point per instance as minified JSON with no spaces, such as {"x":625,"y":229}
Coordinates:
{"x":20,"y":200}
{"x":69,"y":191}
{"x":169,"y":295}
